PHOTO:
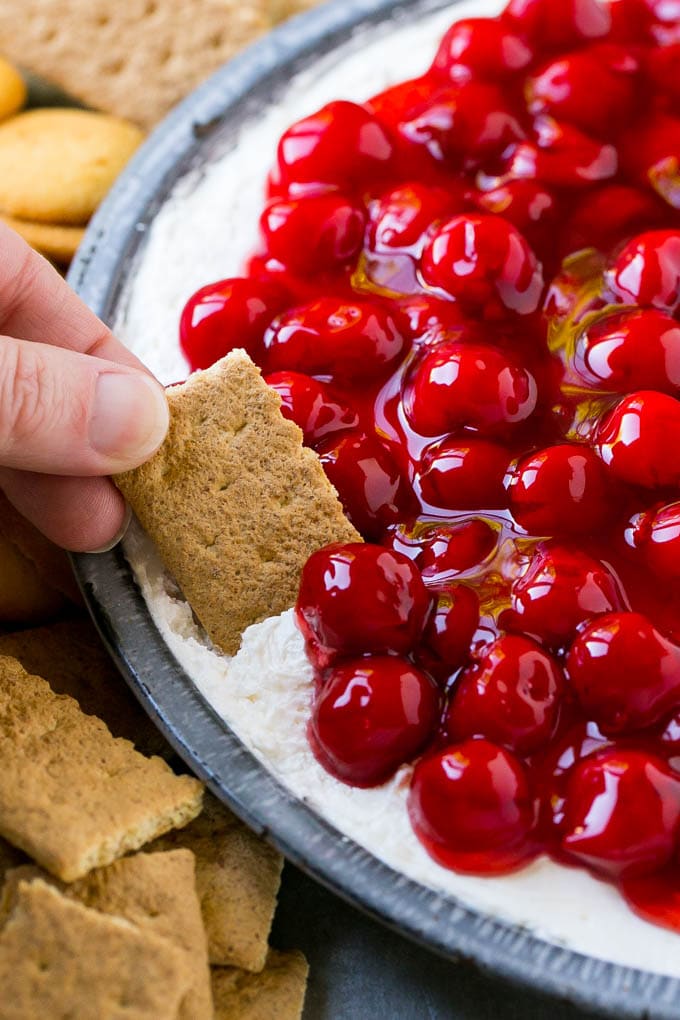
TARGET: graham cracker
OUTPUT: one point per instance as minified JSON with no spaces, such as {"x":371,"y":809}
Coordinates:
{"x":135,"y":59}
{"x":154,"y":891}
{"x":277,"y":993}
{"x":233,"y":501}
{"x":24,"y":595}
{"x":51,"y":562}
{"x":72,"y":796}
{"x":71,"y":657}
{"x":237,"y":878}
{"x":54,"y":240}
{"x":62,"y":961}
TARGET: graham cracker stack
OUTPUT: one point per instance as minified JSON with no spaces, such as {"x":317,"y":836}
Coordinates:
{"x":276,"y":993}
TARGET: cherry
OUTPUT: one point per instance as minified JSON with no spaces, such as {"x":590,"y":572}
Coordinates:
{"x":449,"y":550}
{"x":625,"y":674}
{"x":483,"y":48}
{"x":556,"y":26}
{"x":400,"y":218}
{"x":226,"y":315}
{"x":311,"y":405}
{"x":368,"y":481}
{"x":483,"y":260}
{"x":562,"y":156}
{"x":457,"y":385}
{"x":610,"y":214}
{"x":647,"y":271}
{"x":551,"y":766}
{"x":593,"y":89}
{"x":371,"y":716}
{"x":561,"y":588}
{"x":344,"y":340}
{"x":631,"y":21}
{"x":449,"y":630}
{"x":657,"y":535}
{"x":560,"y":490}
{"x":511,"y":696}
{"x":622,"y":811}
{"x":650,"y":152}
{"x":530,"y":207}
{"x":471,"y":807}
{"x":663,"y":67}
{"x":342,"y":144}
{"x":459,"y":474}
{"x":431,"y":318}
{"x":359,"y":598}
{"x":631,"y":349}
{"x":639,"y":440}
{"x":313,"y":234}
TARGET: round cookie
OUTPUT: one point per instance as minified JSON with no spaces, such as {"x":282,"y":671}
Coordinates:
{"x":56,"y":165}
{"x":54,"y":240}
{"x":12,"y":89}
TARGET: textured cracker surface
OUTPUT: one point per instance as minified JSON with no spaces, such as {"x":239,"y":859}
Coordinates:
{"x":277,"y":993}
{"x":238,"y":878}
{"x":72,"y":796}
{"x":56,"y":165}
{"x":156,"y":892}
{"x":60,"y":960}
{"x":71,"y":657}
{"x":233,"y":501}
{"x":54,"y":240}
{"x":137,"y":58}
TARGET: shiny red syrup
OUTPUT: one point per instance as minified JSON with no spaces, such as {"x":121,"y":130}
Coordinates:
{"x":467,"y":296}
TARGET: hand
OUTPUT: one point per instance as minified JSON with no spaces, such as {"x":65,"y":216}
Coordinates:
{"x":75,"y":405}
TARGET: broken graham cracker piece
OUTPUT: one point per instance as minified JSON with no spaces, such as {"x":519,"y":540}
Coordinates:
{"x":135,"y":59}
{"x":233,"y":501}
{"x":237,"y":879}
{"x":156,"y":892}
{"x":277,"y":992}
{"x":59,"y":960}
{"x":72,"y":796}
{"x":71,"y":657}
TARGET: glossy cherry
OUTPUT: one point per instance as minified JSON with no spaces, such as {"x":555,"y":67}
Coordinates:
{"x":460,"y":474}
{"x":449,"y":630}
{"x":312,"y":405}
{"x":314,"y":234}
{"x":632,"y":349}
{"x":639,"y":440}
{"x":609,"y":214}
{"x":647,"y":272}
{"x":400,"y":217}
{"x":551,"y":26}
{"x":656,"y":534}
{"x":562,"y":156}
{"x":372,"y":715}
{"x":529,"y":206}
{"x":481,"y":48}
{"x":450,"y":550}
{"x":560,"y":490}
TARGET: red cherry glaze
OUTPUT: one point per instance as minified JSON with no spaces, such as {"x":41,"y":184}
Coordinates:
{"x":511,"y":696}
{"x":449,"y":630}
{"x":368,"y":481}
{"x":530,"y":207}
{"x":311,"y":405}
{"x":483,"y":48}
{"x":314,"y":234}
{"x":622,"y":813}
{"x":400,"y":217}
{"x":227,"y":315}
{"x":471,"y":807}
{"x":458,"y":385}
{"x":663,"y":66}
{"x":560,"y":490}
{"x":561,"y":588}
{"x":449,"y":551}
{"x":572,"y":23}
{"x":344,"y":340}
{"x":431,"y":318}
{"x":639,"y":440}
{"x":372,"y":715}
{"x":562,"y":156}
{"x":460,"y":474}
{"x":649,"y":154}
{"x":485,"y":263}
{"x":625,"y":674}
{"x":657,"y":535}
{"x":655,"y":897}
{"x":607,"y":215}
{"x":628,"y":350}
{"x":360,"y":598}
{"x":647,"y":272}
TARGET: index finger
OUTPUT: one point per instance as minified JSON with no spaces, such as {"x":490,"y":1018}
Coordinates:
{"x":37,"y":304}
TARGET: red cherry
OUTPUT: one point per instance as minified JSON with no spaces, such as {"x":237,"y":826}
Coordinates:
{"x":530,"y":207}
{"x":639,"y":440}
{"x":647,"y":272}
{"x":400,"y":218}
{"x":345,"y":340}
{"x":610,"y":214}
{"x":483,"y":48}
{"x":227,"y":315}
{"x":311,"y":405}
{"x":593,"y":89}
{"x":625,"y":674}
{"x":622,"y":812}
{"x":453,"y":549}
{"x":562,"y":588}
{"x":657,"y":535}
{"x":663,"y":67}
{"x":360,"y":598}
{"x":631,"y":21}
{"x":483,"y":261}
{"x":562,"y":156}
{"x":371,"y":716}
{"x":627,"y":350}
{"x":313,"y":234}
{"x":458,"y":474}
{"x":560,"y":490}
{"x":342,"y":144}
{"x":449,"y":630}
{"x":431,"y":318}
{"x":471,"y":807}
{"x":650,"y":154}
{"x":511,"y":696}
{"x":552,"y":767}
{"x":368,"y":481}
{"x":458,"y":385}
{"x":560,"y":25}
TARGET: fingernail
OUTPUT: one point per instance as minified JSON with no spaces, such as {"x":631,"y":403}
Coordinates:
{"x":119,"y":536}
{"x":129,"y":419}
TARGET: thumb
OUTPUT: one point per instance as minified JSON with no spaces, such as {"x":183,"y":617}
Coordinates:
{"x":65,"y":413}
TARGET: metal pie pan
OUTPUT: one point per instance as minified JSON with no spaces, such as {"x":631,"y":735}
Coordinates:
{"x":185,"y":140}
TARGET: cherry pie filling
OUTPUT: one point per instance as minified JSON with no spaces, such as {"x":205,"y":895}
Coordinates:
{"x":468,"y":298}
